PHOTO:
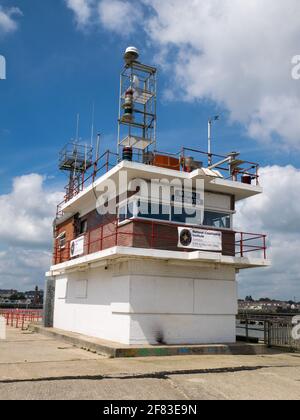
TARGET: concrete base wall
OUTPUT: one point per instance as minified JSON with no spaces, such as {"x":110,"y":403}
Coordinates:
{"x":149,"y":302}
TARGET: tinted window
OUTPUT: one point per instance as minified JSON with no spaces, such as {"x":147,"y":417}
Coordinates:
{"x":218,"y":220}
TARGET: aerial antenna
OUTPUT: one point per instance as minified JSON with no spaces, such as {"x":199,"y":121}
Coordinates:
{"x":98,"y":146}
{"x":93,"y":124}
{"x":137,"y":106}
{"x":210,"y":123}
{"x":77,"y":128}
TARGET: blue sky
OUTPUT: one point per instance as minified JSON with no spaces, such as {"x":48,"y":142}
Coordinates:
{"x":55,"y":71}
{"x":59,"y":62}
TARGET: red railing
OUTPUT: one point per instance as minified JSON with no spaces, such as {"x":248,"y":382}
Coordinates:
{"x":138,"y":233}
{"x":244,"y":167}
{"x":21,"y":318}
{"x":109,"y":159}
{"x":251,"y":242}
{"x":102,"y":165}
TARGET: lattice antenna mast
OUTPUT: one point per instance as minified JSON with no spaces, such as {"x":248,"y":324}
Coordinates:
{"x":75,"y":158}
{"x":137,"y":105}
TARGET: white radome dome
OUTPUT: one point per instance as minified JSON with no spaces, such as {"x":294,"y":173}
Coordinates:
{"x":131,"y":54}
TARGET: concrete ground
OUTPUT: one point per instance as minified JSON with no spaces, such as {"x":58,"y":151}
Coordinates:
{"x":34,"y":367}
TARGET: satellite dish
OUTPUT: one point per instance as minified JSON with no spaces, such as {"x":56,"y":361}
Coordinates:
{"x":131,"y":54}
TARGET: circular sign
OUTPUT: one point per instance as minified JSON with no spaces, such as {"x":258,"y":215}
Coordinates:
{"x":186,"y":237}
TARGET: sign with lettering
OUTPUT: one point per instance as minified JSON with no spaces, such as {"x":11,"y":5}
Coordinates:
{"x":77,"y":247}
{"x":206,"y":240}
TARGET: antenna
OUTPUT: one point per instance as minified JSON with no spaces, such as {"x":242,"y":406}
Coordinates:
{"x":210,"y":123}
{"x":98,"y":146}
{"x":77,"y":128}
{"x":93,"y":124}
{"x":137,"y":106}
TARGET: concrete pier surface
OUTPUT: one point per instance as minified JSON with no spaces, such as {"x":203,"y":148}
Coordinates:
{"x":34,"y":366}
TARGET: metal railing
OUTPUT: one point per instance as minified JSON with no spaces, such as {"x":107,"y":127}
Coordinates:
{"x":21,"y":318}
{"x":151,"y":235}
{"x":250,"y":242}
{"x":244,"y":167}
{"x":275,"y":331}
{"x":102,"y":165}
{"x":109,"y":159}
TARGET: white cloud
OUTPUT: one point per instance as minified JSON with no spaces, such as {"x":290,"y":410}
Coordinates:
{"x":277,"y":213}
{"x":26,"y":215}
{"x":120,"y":16}
{"x":27,"y":212}
{"x":82,"y":10}
{"x":236,"y":53}
{"x":23,"y":269}
{"x":7,"y":21}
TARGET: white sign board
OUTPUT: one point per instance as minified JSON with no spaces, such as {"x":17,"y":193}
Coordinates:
{"x":206,"y":240}
{"x":77,"y":247}
{"x":2,"y":328}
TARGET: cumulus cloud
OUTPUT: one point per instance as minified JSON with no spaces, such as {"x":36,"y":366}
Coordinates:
{"x":277,"y":213}
{"x":7,"y":19}
{"x":236,"y":53}
{"x":119,"y":16}
{"x":23,"y":269}
{"x":26,"y":215}
{"x":82,"y":10}
{"x":27,"y":212}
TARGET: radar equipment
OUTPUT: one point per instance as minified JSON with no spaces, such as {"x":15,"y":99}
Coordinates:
{"x":137,"y":105}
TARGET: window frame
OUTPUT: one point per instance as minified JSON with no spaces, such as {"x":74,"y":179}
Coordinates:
{"x":173,"y":204}
{"x":85,"y":223}
{"x":60,"y":237}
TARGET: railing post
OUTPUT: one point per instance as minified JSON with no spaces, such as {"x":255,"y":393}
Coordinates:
{"x":242,"y":244}
{"x":107,"y":161}
{"x":265,"y":247}
{"x":247,"y":330}
{"x":152,"y":236}
{"x":101,"y":239}
{"x":269,"y":334}
{"x":89,"y":241}
{"x":265,"y":332}
{"x":117,"y":227}
{"x":95,"y":171}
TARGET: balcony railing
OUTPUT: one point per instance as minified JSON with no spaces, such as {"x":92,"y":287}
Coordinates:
{"x":250,"y":242}
{"x":139,"y":233}
{"x":109,"y":159}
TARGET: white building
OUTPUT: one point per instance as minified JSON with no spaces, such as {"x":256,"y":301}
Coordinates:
{"x":153,"y":277}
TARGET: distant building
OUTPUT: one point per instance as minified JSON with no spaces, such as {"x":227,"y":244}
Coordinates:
{"x":6,"y":294}
{"x":35,"y":296}
{"x":270,"y":306}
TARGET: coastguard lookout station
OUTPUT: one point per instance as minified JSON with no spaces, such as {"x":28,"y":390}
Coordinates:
{"x":144,"y":246}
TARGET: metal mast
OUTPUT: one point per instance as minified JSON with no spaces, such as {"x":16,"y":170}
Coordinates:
{"x":75,"y":159}
{"x":137,"y":105}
